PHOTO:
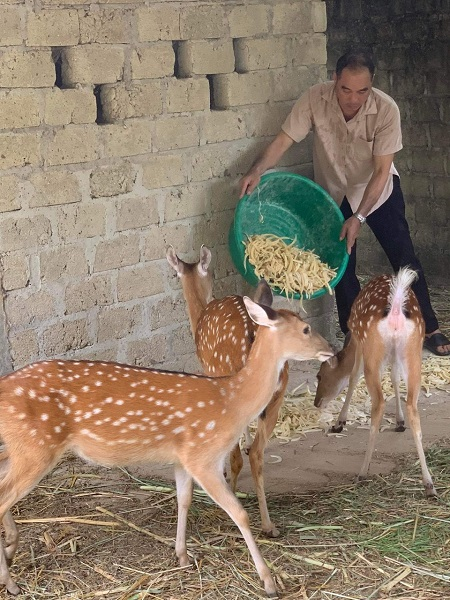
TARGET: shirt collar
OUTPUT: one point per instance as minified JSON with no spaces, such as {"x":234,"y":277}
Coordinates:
{"x":368,"y":108}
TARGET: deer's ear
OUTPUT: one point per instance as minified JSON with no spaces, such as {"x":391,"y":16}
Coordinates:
{"x":263,"y":293}
{"x":261,"y":315}
{"x":173,"y":260}
{"x":333,"y":362}
{"x":205,"y":259}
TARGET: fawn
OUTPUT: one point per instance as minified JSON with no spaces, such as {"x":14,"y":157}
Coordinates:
{"x":386,"y":326}
{"x":224,"y":333}
{"x":118,"y":415}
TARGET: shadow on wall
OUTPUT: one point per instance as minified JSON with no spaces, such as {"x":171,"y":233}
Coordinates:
{"x":410,"y":43}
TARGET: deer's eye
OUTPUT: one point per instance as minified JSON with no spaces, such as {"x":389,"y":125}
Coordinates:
{"x":307,"y":330}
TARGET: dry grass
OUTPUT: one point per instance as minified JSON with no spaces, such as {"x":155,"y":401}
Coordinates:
{"x":90,"y":533}
{"x":298,"y":416}
{"x":85,"y":536}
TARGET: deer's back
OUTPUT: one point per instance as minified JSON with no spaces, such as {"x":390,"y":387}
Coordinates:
{"x":372,"y":305}
{"x":109,"y":413}
{"x":224,"y":336}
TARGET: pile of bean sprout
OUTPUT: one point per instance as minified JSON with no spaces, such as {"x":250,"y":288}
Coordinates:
{"x":285,"y":266}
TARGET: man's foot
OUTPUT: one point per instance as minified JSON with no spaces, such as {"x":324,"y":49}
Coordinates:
{"x":437,"y":343}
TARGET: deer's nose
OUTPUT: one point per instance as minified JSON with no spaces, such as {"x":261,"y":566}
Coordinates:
{"x":318,"y":401}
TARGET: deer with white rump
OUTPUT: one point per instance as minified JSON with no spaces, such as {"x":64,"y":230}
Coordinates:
{"x":386,"y":326}
{"x":119,"y":415}
{"x":223,"y":334}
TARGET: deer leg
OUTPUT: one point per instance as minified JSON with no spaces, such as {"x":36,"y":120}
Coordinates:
{"x":354,"y":378}
{"x":395,"y":379}
{"x":236,"y":461}
{"x":5,"y":577}
{"x":184,"y":486}
{"x":236,"y":464}
{"x":256,"y":457}
{"x":212,"y":481}
{"x":373,"y":382}
{"x":342,"y":418}
{"x":413,"y":385}
{"x":11,"y":536}
{"x":7,"y":552}
{"x":266,"y":424}
{"x":25,"y":471}
{"x":11,"y":531}
{"x":10,"y":493}
{"x":248,"y":440}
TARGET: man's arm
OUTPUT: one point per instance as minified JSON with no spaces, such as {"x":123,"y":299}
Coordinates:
{"x":382,"y":165}
{"x":268,"y":159}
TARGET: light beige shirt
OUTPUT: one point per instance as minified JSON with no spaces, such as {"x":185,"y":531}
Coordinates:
{"x":343,"y":151}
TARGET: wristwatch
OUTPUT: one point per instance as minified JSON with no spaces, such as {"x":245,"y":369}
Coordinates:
{"x":360,"y":218}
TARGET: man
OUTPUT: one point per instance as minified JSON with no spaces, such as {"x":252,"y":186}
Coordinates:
{"x":356,"y":131}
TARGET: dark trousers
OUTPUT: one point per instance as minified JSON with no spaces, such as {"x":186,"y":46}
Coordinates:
{"x":390,"y":227}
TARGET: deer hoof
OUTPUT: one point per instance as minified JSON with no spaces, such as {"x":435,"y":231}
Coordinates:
{"x":338,"y":427}
{"x":185,"y":562}
{"x":271,"y":533}
{"x":9,"y":552}
{"x":362,"y":479}
{"x":13,"y":588}
{"x":430,"y":491}
{"x":270,"y":590}
{"x":400,"y":426}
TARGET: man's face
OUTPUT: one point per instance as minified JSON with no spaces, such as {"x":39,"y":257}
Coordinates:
{"x":352,"y":90}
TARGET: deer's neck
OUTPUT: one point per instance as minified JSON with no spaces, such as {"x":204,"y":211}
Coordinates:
{"x":195,"y":305}
{"x":346,"y":357}
{"x":254,"y":385}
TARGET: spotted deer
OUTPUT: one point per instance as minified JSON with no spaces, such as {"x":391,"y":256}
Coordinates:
{"x":119,"y":415}
{"x":224,"y":333}
{"x":386,"y":326}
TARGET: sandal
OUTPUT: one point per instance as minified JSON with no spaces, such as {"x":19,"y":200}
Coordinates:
{"x":434,"y":341}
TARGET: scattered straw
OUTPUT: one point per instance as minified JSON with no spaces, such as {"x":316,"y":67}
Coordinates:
{"x":383,"y":539}
{"x":135,"y":527}
{"x":298,"y":416}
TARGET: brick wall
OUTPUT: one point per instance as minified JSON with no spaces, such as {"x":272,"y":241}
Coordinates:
{"x":124,"y":129}
{"x":411,"y":42}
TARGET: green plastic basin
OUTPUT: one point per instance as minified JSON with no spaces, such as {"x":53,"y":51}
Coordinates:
{"x":289,"y":205}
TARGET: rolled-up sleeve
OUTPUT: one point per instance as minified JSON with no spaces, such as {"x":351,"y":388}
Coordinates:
{"x":300,"y":120}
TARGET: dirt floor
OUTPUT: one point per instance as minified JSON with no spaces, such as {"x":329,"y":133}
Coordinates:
{"x":321,"y":459}
{"x":88,"y":532}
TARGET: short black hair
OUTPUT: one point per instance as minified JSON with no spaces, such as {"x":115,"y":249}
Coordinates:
{"x":356,"y":58}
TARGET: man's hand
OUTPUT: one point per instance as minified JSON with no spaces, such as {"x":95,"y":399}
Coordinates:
{"x":350,"y":230}
{"x":248,"y":183}
{"x":268,"y":159}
